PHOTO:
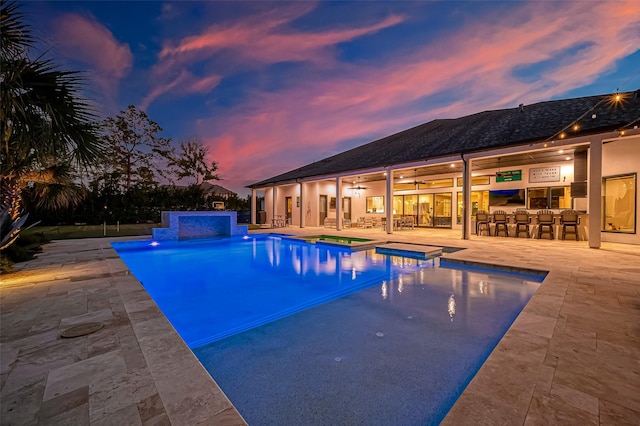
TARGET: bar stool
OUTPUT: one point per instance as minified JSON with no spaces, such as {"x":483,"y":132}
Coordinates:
{"x":522,"y":220}
{"x":500,"y":219}
{"x":482,"y":222}
{"x":545,"y":224}
{"x":569,"y":220}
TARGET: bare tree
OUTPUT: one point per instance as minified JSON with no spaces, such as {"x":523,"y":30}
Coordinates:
{"x":190,"y":162}
{"x":136,"y":149}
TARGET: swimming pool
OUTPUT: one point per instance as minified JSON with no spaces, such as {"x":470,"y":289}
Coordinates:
{"x":211,"y":289}
{"x":397,"y":348}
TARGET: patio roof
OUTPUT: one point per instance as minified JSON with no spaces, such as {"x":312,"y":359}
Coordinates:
{"x":476,"y":133}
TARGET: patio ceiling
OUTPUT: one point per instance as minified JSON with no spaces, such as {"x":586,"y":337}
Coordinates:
{"x":504,"y":162}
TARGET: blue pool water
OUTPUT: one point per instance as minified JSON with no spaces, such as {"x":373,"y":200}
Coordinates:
{"x":393,"y":340}
{"x":216,"y":288}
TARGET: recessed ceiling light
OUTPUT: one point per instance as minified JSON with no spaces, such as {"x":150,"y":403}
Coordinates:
{"x":453,"y":165}
{"x":561,"y":151}
{"x":568,"y":158}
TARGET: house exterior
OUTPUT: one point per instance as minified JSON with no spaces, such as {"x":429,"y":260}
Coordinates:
{"x":581,"y":153}
{"x":211,"y":189}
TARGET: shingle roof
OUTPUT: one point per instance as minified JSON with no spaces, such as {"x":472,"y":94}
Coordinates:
{"x":477,"y":132}
{"x":215,"y":189}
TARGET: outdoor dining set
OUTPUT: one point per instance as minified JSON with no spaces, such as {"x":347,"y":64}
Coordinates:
{"x":541,"y":225}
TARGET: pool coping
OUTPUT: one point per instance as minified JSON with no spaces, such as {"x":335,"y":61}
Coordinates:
{"x":554,"y":364}
{"x":355,"y":246}
{"x":506,"y":268}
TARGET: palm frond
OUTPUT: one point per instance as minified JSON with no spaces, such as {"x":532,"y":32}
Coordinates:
{"x":15,"y":35}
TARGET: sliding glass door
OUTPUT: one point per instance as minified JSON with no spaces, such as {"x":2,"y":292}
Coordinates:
{"x":430,"y":210}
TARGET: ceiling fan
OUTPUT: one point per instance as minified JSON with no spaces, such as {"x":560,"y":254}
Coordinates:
{"x":358,"y":187}
{"x":498,"y":173}
{"x":415,"y":179}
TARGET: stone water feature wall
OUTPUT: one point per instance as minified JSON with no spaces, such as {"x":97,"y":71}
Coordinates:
{"x":186,"y":225}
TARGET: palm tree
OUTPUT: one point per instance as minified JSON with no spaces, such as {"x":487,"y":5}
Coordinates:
{"x":48,"y":129}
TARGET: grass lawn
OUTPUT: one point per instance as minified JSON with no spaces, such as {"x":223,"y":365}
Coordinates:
{"x":93,"y":231}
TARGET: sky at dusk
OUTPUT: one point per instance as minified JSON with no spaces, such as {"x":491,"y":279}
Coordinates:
{"x":272,"y":86}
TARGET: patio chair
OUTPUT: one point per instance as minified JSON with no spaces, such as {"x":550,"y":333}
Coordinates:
{"x":500,"y":218}
{"x":368,"y":222}
{"x":482,"y":222}
{"x":569,"y":220}
{"x":546,"y":223}
{"x":522,"y":219}
{"x":406,"y":222}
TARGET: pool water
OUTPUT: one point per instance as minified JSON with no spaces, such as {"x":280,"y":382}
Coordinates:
{"x":399,"y":353}
{"x":212,"y":289}
{"x":392,"y":341}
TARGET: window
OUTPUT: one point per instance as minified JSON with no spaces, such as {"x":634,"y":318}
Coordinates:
{"x":619,"y":204}
{"x":404,"y":186}
{"x":405,"y":205}
{"x":436,"y":183}
{"x":479,"y":201}
{"x":375,"y":204}
{"x":475,"y":180}
{"x":424,"y":184}
{"x":555,"y":197}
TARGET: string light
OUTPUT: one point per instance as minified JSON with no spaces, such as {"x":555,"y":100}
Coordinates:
{"x":631,"y":125}
{"x":613,"y":99}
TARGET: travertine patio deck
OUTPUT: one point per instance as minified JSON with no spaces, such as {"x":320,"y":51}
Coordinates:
{"x":572,"y":356}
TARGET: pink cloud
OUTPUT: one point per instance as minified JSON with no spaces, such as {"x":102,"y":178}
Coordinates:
{"x":86,"y":40}
{"x":276,"y":132}
{"x":184,"y":83}
{"x":264,"y":38}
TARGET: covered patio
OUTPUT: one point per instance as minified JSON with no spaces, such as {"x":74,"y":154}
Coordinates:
{"x":559,"y":155}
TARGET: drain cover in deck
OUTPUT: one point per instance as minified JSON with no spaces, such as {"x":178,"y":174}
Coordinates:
{"x":82,"y":329}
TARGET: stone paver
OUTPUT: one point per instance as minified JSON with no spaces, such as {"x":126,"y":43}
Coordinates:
{"x":571,"y":357}
{"x":135,"y":370}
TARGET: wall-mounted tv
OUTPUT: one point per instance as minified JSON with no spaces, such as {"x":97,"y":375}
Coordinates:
{"x":507,"y":197}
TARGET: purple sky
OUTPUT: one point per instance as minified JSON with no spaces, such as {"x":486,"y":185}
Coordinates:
{"x":271,"y":86}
